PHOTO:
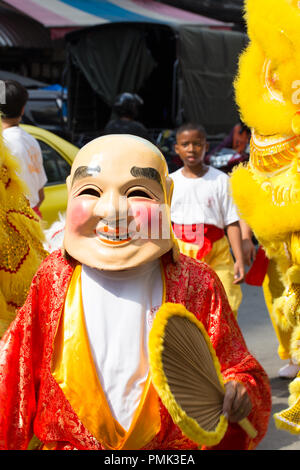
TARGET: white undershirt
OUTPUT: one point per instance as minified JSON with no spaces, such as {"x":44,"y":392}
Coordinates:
{"x":203,"y":200}
{"x":119,"y":308}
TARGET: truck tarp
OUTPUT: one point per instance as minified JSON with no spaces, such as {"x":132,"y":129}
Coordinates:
{"x":142,"y":58}
{"x":208,"y":64}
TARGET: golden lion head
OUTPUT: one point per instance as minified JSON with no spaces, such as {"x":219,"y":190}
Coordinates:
{"x":268,"y":95}
{"x":268,"y":83}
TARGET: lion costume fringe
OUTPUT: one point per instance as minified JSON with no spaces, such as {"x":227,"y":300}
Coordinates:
{"x":267,"y":190}
{"x":21,"y":236}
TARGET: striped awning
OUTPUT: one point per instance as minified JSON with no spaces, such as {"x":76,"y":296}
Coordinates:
{"x":21,"y":31}
{"x":82,"y":13}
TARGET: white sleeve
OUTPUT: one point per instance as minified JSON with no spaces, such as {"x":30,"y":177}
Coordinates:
{"x":17,"y":150}
{"x":229,"y":209}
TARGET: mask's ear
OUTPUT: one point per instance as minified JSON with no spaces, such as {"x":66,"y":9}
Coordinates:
{"x":169,"y":189}
{"x":68,"y":182}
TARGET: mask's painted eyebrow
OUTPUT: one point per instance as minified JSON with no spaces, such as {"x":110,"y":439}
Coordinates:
{"x":84,"y":172}
{"x":149,"y":172}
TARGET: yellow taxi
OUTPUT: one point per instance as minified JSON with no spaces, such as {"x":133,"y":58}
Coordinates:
{"x":58,"y":156}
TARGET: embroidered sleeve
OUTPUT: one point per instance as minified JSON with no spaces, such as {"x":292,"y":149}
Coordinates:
{"x":17,"y":395}
{"x":198,"y":288}
{"x":237,"y":364}
{"x":25,"y":352}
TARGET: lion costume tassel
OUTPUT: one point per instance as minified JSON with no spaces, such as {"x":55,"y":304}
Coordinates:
{"x":21,"y":235}
{"x":267,"y":190}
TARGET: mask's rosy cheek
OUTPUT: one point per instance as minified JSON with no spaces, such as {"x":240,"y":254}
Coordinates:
{"x":145,"y":218}
{"x":79,"y":213}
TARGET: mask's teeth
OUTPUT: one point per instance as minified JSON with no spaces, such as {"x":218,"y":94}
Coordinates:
{"x":113,"y":238}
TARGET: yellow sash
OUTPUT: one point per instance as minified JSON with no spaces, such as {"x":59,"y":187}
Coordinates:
{"x":74,"y":370}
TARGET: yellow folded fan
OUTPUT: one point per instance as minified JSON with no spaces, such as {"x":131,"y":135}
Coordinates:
{"x":187,"y":375}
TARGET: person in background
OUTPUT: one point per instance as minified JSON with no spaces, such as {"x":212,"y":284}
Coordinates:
{"x":21,"y":239}
{"x":126,"y":108}
{"x":238,"y":139}
{"x":22,"y":145}
{"x":202,"y":210}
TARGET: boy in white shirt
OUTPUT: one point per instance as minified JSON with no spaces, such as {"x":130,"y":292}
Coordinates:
{"x":202,"y":209}
{"x":22,"y":145}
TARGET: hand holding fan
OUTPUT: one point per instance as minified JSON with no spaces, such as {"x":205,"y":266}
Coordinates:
{"x":186,"y":374}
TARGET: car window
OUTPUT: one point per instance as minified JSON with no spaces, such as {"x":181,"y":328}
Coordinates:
{"x":56,"y":167}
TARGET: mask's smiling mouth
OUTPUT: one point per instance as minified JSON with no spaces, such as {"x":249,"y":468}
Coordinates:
{"x":112,"y":236}
{"x":116,"y":235}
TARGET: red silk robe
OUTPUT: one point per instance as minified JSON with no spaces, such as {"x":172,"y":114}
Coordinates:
{"x":32,"y":403}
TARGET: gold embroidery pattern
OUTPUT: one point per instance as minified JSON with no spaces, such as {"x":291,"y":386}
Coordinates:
{"x":21,"y":250}
{"x":273,"y":157}
{"x":4,"y":176}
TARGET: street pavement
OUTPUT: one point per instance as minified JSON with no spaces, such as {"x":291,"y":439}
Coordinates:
{"x":261,"y":340}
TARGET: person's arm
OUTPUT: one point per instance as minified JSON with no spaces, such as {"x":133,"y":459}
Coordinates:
{"x":235,"y":240}
{"x":248,"y":246}
{"x":41,"y":196}
{"x":42,"y":176}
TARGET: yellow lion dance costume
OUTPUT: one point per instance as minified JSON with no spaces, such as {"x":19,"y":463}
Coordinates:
{"x":267,"y":191}
{"x":21,"y":235}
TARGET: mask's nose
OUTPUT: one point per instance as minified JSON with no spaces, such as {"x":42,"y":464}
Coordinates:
{"x":111,"y":206}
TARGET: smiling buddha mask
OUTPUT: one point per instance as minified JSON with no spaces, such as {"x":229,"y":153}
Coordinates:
{"x":118,"y":214}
